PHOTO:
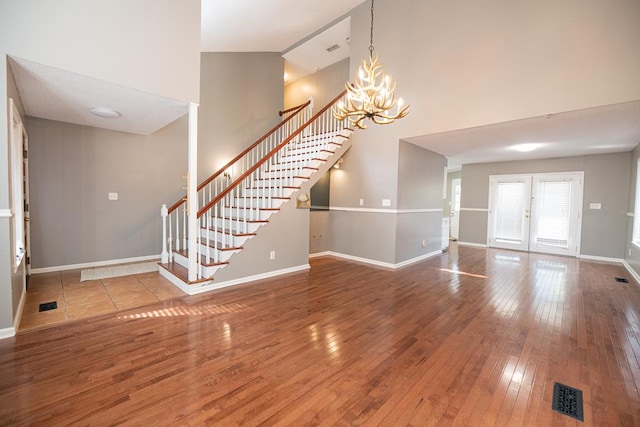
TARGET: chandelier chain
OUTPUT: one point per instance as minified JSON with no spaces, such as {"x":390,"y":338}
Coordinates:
{"x":371,"y":36}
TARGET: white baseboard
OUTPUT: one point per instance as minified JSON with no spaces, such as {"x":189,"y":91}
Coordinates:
{"x":10,"y":332}
{"x":601,"y":258}
{"x":631,"y":271}
{"x":321,"y":254}
{"x":212,"y":285}
{"x":473,"y":245}
{"x":18,"y":317}
{"x":94,"y":264}
{"x":7,"y":333}
{"x":373,"y":261}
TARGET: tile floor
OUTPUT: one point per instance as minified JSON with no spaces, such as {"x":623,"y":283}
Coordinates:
{"x":80,"y":300}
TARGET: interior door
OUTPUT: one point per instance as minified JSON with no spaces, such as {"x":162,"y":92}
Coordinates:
{"x":509,"y":212}
{"x":455,"y":208}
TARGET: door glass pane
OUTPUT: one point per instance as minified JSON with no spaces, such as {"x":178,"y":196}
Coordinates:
{"x":508,"y":212}
{"x":553,"y":205}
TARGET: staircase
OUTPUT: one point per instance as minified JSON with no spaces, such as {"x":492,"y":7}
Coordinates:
{"x":236,"y":201}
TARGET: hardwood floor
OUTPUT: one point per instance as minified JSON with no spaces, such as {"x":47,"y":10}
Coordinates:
{"x":473,"y":337}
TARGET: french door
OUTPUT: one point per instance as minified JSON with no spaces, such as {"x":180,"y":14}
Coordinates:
{"x":538,"y":213}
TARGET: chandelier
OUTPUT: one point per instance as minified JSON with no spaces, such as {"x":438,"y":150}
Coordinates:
{"x":372,"y":95}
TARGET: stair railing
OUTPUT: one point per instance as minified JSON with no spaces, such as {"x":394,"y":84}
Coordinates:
{"x":238,"y":208}
{"x":175,"y":218}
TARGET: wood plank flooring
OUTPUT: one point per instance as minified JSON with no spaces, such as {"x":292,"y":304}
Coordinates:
{"x":473,"y":337}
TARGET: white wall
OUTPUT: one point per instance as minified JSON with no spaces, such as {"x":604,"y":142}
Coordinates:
{"x":151,"y":45}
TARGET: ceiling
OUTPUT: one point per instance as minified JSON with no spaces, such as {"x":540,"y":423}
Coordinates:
{"x":265,"y":25}
{"x":54,"y":94}
{"x":303,"y":38}
{"x":607,"y":129}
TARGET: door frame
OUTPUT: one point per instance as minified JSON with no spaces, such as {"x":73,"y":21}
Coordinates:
{"x":526,"y":210}
{"x":454,"y":182}
{"x":577,"y":175}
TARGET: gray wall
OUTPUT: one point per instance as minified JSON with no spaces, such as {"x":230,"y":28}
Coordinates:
{"x":240,"y":96}
{"x":420,"y":182}
{"x":73,"y":168}
{"x":606,"y":181}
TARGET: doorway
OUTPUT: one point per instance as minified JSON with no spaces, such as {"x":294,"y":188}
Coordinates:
{"x":455,"y":209}
{"x":19,"y":188}
{"x":536,"y":212}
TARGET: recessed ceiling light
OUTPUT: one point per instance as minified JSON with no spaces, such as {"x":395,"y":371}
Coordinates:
{"x":525,"y":148}
{"x":104,"y":112}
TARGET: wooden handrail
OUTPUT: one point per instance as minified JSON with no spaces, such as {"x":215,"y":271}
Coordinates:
{"x":252,"y":169}
{"x":220,"y":171}
{"x":301,"y":106}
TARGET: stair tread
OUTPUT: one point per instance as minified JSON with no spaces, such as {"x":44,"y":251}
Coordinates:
{"x":181,"y":272}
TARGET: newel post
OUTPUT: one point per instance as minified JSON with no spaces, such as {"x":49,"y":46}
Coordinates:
{"x":164,"y":256}
{"x":192,"y":192}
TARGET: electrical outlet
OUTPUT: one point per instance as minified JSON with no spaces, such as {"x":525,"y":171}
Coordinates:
{"x":424,"y":243}
{"x":361,"y":202}
{"x":272,"y":255}
{"x":113,"y":196}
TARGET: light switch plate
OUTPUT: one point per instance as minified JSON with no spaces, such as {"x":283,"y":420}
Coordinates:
{"x":386,"y":202}
{"x":595,"y":205}
{"x":113,"y":196}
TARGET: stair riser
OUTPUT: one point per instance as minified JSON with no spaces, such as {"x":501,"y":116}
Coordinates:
{"x":277,"y":181}
{"x":251,"y":202}
{"x":252,"y":215}
{"x":276,"y":173}
{"x":207,"y":271}
{"x":311,"y":150}
{"x":226,"y":239}
{"x":258,"y":192}
{"x":304,"y":159}
{"x":235,"y":226}
{"x":288,"y":164}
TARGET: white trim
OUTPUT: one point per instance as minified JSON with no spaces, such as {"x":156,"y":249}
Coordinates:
{"x":600,"y":258}
{"x":474,"y":245}
{"x":475,"y":209}
{"x":631,"y":271}
{"x":6,"y":213}
{"x":210,"y":286}
{"x":630,"y":214}
{"x":376,"y":262}
{"x":16,"y":320}
{"x":321,"y":254}
{"x":385,"y":211}
{"x":94,"y":264}
{"x":7,"y":333}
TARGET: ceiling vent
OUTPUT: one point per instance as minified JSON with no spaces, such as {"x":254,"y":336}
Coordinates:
{"x":332,"y":48}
